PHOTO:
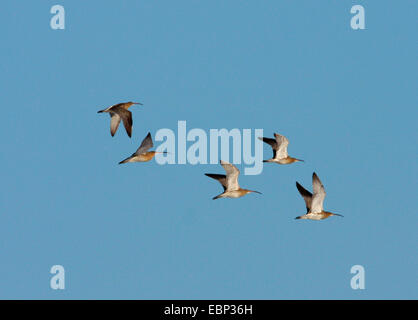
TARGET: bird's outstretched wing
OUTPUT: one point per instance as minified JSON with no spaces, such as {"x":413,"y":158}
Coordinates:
{"x":220,"y":177}
{"x":282,"y":144}
{"x":232,"y":174}
{"x":146,"y":144}
{"x":126,"y":116}
{"x":307,"y":196}
{"x":318,"y":194}
{"x":114,"y":122}
{"x":272,"y":143}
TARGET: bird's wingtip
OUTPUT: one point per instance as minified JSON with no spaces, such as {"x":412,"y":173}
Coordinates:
{"x":124,"y":160}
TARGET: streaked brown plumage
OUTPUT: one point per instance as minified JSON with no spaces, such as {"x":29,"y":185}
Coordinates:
{"x":314,"y":202}
{"x":229,"y":182}
{"x":120,"y":112}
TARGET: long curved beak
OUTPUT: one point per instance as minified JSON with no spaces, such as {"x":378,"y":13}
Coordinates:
{"x":255,"y":191}
{"x":336,"y":214}
{"x":138,"y":103}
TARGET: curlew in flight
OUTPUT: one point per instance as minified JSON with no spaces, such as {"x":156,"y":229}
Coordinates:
{"x":314,"y":202}
{"x":229,"y":182}
{"x":120,"y":112}
{"x":142,"y":154}
{"x":279,"y":146}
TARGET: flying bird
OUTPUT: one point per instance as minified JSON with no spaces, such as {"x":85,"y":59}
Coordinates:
{"x":229,"y":182}
{"x":120,"y":112}
{"x":279,"y":146}
{"x":142,"y":154}
{"x":314,"y":202}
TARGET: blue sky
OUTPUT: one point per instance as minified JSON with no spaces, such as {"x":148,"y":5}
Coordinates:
{"x":345,"y":99}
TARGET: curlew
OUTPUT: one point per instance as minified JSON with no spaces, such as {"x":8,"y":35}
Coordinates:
{"x":120,"y":112}
{"x":142,"y":154}
{"x":229,"y":182}
{"x":279,"y":146}
{"x":314,"y":202}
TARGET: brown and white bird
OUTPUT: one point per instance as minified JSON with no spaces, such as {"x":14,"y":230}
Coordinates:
{"x":279,"y":146}
{"x":120,"y":112}
{"x":229,"y":182}
{"x":142,"y":154}
{"x":314,"y":202}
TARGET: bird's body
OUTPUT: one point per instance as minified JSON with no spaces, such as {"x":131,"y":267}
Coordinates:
{"x":229,"y":182}
{"x":233,"y":194}
{"x":316,"y":216}
{"x":120,"y":112}
{"x":144,"y":157}
{"x":279,"y":146}
{"x":142,"y":154}
{"x":314,"y":202}
{"x":287,"y":160}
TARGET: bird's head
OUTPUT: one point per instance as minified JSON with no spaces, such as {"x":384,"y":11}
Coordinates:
{"x":296,"y":160}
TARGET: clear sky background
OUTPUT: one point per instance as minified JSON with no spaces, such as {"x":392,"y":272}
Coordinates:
{"x":346,"y":100}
